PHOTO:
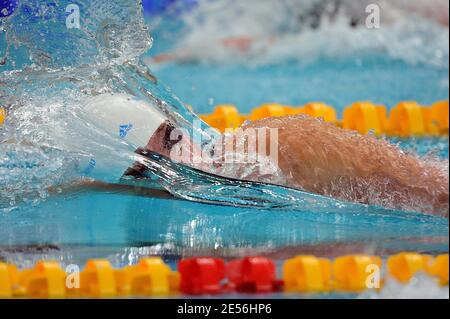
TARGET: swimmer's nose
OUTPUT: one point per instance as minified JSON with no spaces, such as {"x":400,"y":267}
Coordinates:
{"x":164,"y":138}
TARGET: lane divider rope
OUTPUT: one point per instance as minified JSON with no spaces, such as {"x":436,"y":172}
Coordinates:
{"x":406,"y":119}
{"x":205,"y":275}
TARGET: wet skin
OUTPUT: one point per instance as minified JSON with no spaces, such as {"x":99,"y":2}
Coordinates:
{"x":322,"y":158}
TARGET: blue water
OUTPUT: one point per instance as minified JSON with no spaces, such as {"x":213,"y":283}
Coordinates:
{"x":111,"y":224}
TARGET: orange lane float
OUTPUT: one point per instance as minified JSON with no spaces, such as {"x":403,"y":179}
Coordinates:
{"x":207,"y":276}
{"x":406,"y":119}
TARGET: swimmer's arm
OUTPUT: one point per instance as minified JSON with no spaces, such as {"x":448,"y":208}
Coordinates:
{"x":322,"y":158}
{"x":99,"y":186}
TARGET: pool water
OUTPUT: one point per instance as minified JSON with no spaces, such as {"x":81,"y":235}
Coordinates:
{"x":122,"y":227}
{"x":109,"y":224}
{"x":338,"y":82}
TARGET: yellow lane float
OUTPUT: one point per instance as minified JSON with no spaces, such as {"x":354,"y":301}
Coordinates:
{"x":152,"y":277}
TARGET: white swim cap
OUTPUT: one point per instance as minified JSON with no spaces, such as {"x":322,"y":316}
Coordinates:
{"x":125,"y":119}
{"x":123,"y":116}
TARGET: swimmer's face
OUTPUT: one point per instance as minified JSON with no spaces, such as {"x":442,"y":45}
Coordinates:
{"x":162,"y":140}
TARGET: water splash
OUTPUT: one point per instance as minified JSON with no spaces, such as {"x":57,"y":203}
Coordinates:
{"x":50,"y":72}
{"x":225,"y":31}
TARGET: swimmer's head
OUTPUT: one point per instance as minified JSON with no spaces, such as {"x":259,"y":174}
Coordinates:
{"x":125,"y":117}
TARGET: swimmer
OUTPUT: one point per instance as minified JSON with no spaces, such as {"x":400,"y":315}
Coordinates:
{"x":313,"y":156}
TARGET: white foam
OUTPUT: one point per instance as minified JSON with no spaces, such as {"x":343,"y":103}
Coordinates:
{"x":420,"y":286}
{"x":414,"y":31}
